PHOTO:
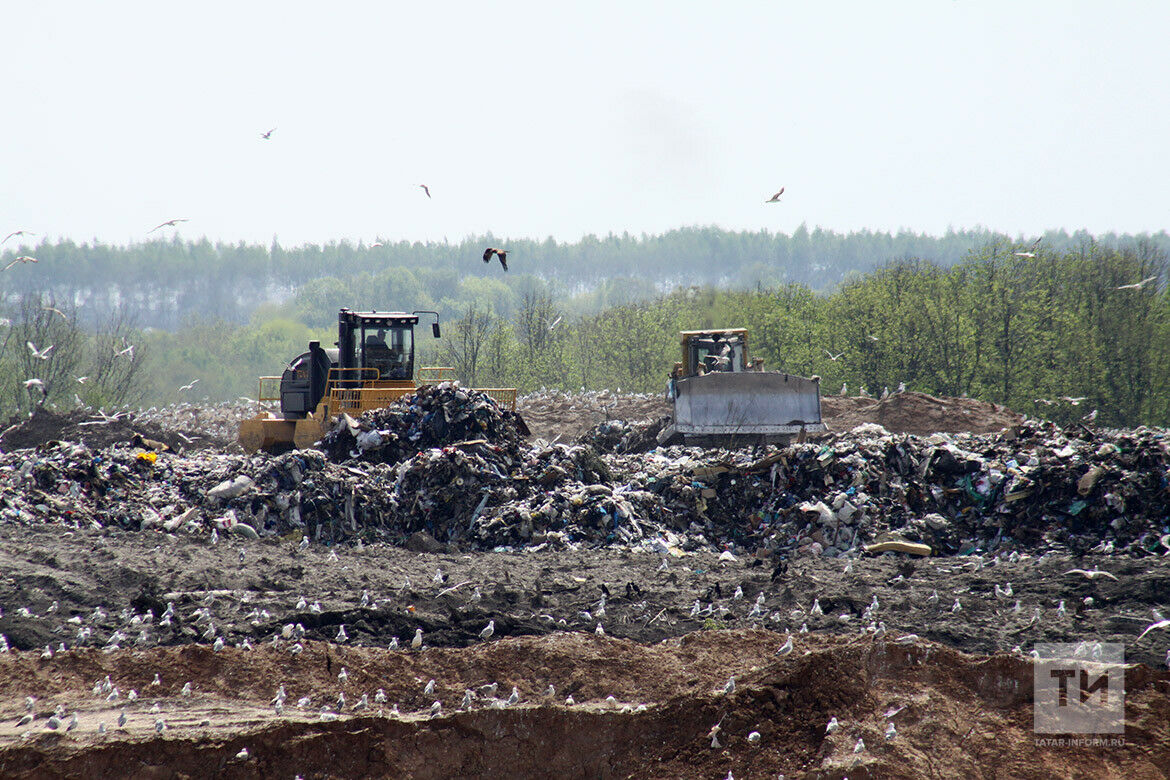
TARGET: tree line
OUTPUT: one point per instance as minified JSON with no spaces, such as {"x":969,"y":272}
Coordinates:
{"x":1026,"y":331}
{"x":169,"y":283}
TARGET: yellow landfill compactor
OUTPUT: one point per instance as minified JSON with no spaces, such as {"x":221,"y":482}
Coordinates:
{"x":370,"y":366}
{"x":722,"y":399}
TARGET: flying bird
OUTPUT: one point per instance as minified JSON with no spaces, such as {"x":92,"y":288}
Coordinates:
{"x":833,"y":357}
{"x":21,"y":259}
{"x":168,"y":223}
{"x":42,"y":354}
{"x":426,"y":189}
{"x":1093,"y":574}
{"x":268,"y":135}
{"x":1154,"y":627}
{"x":1031,"y":252}
{"x":184,"y":388}
{"x":128,"y":352}
{"x":501,"y":253}
{"x":17,"y":233}
{"x":1137,"y":285}
{"x":775,"y":198}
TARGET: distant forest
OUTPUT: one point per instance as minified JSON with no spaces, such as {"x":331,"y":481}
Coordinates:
{"x":166,"y":284}
{"x":1074,"y":317}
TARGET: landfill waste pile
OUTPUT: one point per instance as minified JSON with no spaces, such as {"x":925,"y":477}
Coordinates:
{"x":433,"y":416}
{"x":450,"y":463}
{"x":625,"y":436}
{"x":182,"y":427}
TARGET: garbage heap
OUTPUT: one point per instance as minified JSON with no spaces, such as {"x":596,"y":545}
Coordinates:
{"x":433,"y":416}
{"x":624,"y":436}
{"x":1033,"y":487}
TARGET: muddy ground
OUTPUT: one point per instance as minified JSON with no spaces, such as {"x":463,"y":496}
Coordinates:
{"x":965,"y":678}
{"x":876,"y":641}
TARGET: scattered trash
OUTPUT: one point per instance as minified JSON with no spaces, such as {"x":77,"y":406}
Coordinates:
{"x":448,"y":466}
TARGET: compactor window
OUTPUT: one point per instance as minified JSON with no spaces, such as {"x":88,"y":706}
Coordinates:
{"x":390,"y":350}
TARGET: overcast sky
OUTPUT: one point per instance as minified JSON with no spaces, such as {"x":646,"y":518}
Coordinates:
{"x":531,"y":120}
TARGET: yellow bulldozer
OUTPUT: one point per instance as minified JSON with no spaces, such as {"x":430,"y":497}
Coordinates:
{"x":722,"y":398}
{"x":370,"y":366}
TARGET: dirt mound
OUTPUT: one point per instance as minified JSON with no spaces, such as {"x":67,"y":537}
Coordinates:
{"x":917,"y":413}
{"x":572,"y":416}
{"x":95,"y":431}
{"x":567,"y":416}
{"x":668,"y":715}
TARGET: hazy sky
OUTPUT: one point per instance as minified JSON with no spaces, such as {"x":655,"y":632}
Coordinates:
{"x":535,"y":120}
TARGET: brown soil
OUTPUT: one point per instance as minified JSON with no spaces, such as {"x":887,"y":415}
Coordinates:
{"x":967,"y":695}
{"x":914,"y":413}
{"x":917,"y":413}
{"x":960,"y":715}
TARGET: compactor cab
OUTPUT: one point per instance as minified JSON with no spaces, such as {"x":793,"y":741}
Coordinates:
{"x":369,"y":366}
{"x":723,"y":397}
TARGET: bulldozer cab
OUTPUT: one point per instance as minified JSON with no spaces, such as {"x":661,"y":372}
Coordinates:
{"x":707,"y":351}
{"x":385,"y":344}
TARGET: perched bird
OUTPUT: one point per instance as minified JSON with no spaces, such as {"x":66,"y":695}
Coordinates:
{"x":515,"y":697}
{"x":121,"y":718}
{"x":436,"y":709}
{"x":832,"y":726}
{"x":775,"y":198}
{"x":600,"y":631}
{"x":429,"y":690}
{"x":362,"y":703}
{"x":488,"y":630}
{"x":343,"y":676}
{"x":304,"y":543}
{"x":859,"y":746}
{"x":754,"y":737}
{"x":426,"y":189}
{"x":416,"y":643}
{"x":380,"y":697}
{"x":891,"y":732}
{"x":186,"y":690}
{"x":468,"y":696}
{"x":500,"y":253}
{"x":844,"y":388}
{"x":160,"y":725}
{"x":785,"y":648}
{"x":168,"y":223}
{"x":268,"y":135}
{"x":730,"y":686}
{"x":341,"y":635}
